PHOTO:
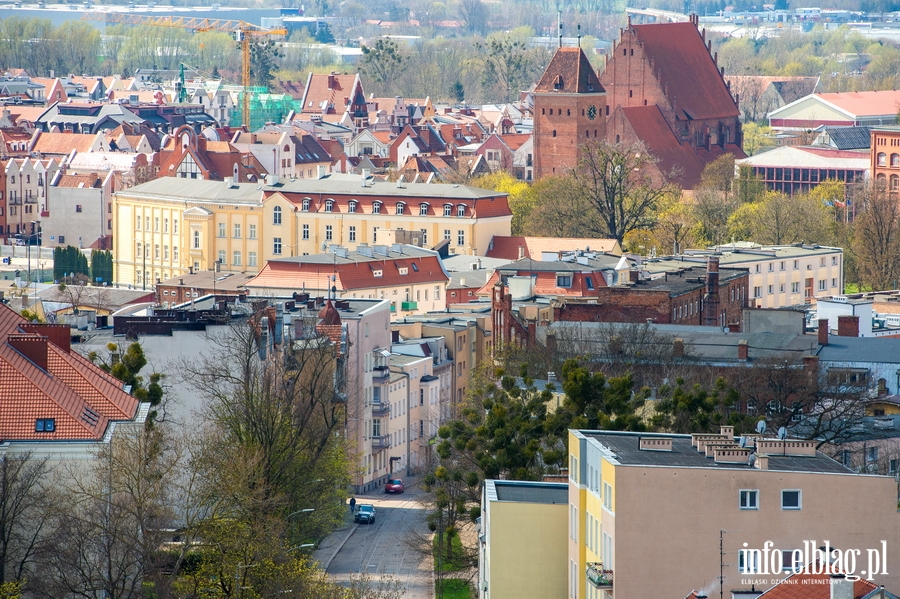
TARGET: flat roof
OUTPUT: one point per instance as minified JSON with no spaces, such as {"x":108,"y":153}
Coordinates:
{"x":527,"y":491}
{"x":623,"y":448}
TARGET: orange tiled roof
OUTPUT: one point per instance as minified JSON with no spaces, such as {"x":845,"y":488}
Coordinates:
{"x":813,"y":586}
{"x":287,"y":274}
{"x":569,"y":72}
{"x":84,"y":181}
{"x":64,"y":143}
{"x":40,"y":378}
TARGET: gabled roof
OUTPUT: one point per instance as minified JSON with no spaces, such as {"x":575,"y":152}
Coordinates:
{"x":863,"y":104}
{"x":40,"y":378}
{"x":691,"y":80}
{"x":651,"y":128}
{"x":310,"y":150}
{"x":90,"y":181}
{"x":64,"y":143}
{"x":329,"y":93}
{"x":569,"y":72}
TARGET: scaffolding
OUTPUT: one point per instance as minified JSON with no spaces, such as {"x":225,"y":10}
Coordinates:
{"x":264,"y":108}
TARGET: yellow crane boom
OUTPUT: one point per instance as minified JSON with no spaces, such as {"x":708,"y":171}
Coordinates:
{"x":241,"y":30}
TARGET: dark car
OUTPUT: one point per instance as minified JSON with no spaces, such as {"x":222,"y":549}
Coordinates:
{"x":365,"y":514}
{"x":395,"y":485}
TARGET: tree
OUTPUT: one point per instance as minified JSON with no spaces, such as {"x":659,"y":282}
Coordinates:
{"x":756,"y":138}
{"x":559,"y":210}
{"x":692,"y":409}
{"x":69,"y":260}
{"x":474,"y":15}
{"x":24,"y":503}
{"x":617,"y":180}
{"x":101,"y":266}
{"x":675,"y":225}
{"x":126,"y":366}
{"x":505,"y":64}
{"x":876,"y":239}
{"x":521,"y":197}
{"x":383,"y":62}
{"x":264,"y":57}
{"x":458,"y":92}
{"x":779,"y":219}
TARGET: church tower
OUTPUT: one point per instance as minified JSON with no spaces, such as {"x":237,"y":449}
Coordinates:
{"x":569,"y":111}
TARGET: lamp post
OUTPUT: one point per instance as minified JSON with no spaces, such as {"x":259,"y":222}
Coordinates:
{"x":303,"y":511}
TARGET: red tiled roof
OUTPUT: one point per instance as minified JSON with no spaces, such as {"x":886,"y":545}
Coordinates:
{"x":508,"y":247}
{"x":288,"y":274}
{"x":64,"y":143}
{"x":691,"y":79}
{"x":336,"y":90}
{"x":569,"y":72}
{"x":80,"y":181}
{"x":42,"y":379}
{"x":651,"y":128}
{"x":812,"y":586}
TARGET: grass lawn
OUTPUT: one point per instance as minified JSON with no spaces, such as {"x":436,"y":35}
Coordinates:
{"x":454,"y":588}
{"x":451,"y":561}
{"x":854,"y":288}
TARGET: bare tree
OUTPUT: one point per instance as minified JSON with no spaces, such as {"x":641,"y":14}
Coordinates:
{"x":877,"y":237}
{"x":24,"y":501}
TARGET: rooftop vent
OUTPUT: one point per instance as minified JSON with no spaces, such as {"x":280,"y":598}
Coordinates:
{"x":656,"y":444}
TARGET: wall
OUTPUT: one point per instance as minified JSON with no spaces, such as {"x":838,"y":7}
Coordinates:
{"x":562,"y":126}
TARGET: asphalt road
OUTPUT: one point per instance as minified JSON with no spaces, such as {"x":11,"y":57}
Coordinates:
{"x":388,"y":548}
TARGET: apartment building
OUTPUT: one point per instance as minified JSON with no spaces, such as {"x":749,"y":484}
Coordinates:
{"x":690,"y":507}
{"x":417,"y":425}
{"x":78,"y":211}
{"x":26,"y":194}
{"x":780,"y":275}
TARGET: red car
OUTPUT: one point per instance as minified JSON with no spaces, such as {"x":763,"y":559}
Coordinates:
{"x":394,"y":485}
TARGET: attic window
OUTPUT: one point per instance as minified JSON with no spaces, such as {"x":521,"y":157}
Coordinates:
{"x":376,"y":273}
{"x":558,"y":82}
{"x":351,"y":207}
{"x":415,"y":267}
{"x":404,"y":271}
{"x":45,"y":425}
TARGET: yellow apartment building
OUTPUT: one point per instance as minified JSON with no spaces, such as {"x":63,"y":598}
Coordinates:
{"x":243,"y":225}
{"x":647,"y":511}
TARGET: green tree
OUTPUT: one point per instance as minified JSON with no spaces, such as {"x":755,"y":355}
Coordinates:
{"x":383,"y":62}
{"x":264,"y":57}
{"x":521,"y":197}
{"x":126,"y":366}
{"x":101,"y":266}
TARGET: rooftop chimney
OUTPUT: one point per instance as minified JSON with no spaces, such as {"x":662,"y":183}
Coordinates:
{"x":33,"y":347}
{"x":848,"y":326}
{"x":743,"y":350}
{"x":823,"y":331}
{"x":841,"y":588}
{"x":762,"y":462}
{"x":678,"y":347}
{"x":711,"y":306}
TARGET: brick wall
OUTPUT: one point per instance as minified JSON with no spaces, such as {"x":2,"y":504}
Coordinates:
{"x":561,"y":126}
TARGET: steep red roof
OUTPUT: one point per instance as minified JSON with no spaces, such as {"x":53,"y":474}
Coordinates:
{"x":329,"y":93}
{"x":651,"y":128}
{"x":64,"y":143}
{"x":41,"y":379}
{"x":691,"y":80}
{"x":569,"y":72}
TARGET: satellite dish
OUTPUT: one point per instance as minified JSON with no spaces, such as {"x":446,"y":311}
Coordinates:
{"x":742,"y":441}
{"x":761,"y":427}
{"x":751,"y":461}
{"x":782,"y":433}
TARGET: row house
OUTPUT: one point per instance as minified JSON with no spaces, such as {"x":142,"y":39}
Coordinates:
{"x":24,"y":198}
{"x":284,"y":153}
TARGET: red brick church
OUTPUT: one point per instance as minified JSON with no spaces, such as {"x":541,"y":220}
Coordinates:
{"x":661,"y":85}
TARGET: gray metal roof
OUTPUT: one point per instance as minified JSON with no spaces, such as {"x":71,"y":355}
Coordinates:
{"x":626,"y":449}
{"x":531,"y":492}
{"x":877,"y":350}
{"x":850,"y":138}
{"x":197,"y":191}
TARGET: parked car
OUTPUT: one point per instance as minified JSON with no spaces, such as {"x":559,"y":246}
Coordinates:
{"x":394,"y":485}
{"x":365,"y":514}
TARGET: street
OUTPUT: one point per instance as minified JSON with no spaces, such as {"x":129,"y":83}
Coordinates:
{"x":387,"y":547}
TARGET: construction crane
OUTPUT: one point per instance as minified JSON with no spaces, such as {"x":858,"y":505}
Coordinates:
{"x":242,"y":32}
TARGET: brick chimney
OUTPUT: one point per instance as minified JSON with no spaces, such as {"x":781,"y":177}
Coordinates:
{"x":762,"y":462}
{"x":811,"y":364}
{"x":823,"y":331}
{"x":743,"y":350}
{"x":711,"y":305}
{"x":33,"y":347}
{"x":634,"y":275}
{"x":848,"y":326}
{"x":59,"y":335}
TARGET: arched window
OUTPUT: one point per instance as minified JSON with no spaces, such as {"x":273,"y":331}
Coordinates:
{"x":423,"y":209}
{"x":196,"y":240}
{"x":401,"y":207}
{"x":895,"y":160}
{"x":882,"y":159}
{"x":881,"y":180}
{"x":461,"y":210}
{"x":376,"y":208}
{"x":276,"y":215}
{"x":895,"y":183}
{"x":351,"y":207}
{"x":329,"y":205}
{"x":448,"y":209}
{"x":305,"y":205}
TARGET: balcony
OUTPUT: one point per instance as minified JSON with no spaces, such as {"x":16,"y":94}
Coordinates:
{"x":409,"y":306}
{"x":381,"y":442}
{"x":381,"y":374}
{"x":380,"y":409}
{"x":600,"y":578}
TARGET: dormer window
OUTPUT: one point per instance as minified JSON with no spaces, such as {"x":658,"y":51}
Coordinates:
{"x":401,"y":207}
{"x":329,"y":205}
{"x":461,"y":210}
{"x":448,"y":209}
{"x":376,"y":273}
{"x":423,"y":209}
{"x":404,"y":271}
{"x":305,"y":205}
{"x":376,"y":208}
{"x":558,"y":83}
{"x":351,"y":207}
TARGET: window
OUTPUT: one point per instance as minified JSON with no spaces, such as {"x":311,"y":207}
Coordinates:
{"x":237,"y":231}
{"x":424,"y":233}
{"x":155,"y":221}
{"x":423,"y":209}
{"x":795,"y":287}
{"x":251,"y":258}
{"x":374,"y":234}
{"x":748,"y":561}
{"x":137,"y":223}
{"x":221,"y":259}
{"x":882,"y":159}
{"x":790,"y":499}
{"x":447,"y":234}
{"x":165,"y":225}
{"x":563,"y":280}
{"x":400,"y":207}
{"x":305,"y":232}
{"x":45,"y":425}
{"x":448,"y":210}
{"x":607,"y":496}
{"x":276,"y":245}
{"x":329,"y":205}
{"x":757,"y":291}
{"x":589,"y":282}
{"x":175,"y":226}
{"x":79,"y":209}
{"x":460,"y":238}
{"x":782,"y":266}
{"x":834,"y":260}
{"x":236,"y":258}
{"x":304,"y":206}
{"x":221,"y":229}
{"x":352,"y":233}
{"x":461,"y":210}
{"x":771,"y":289}
{"x":872,"y":454}
{"x":796,"y":264}
{"x":196,"y":240}
{"x":437,"y":292}
{"x":252,"y":231}
{"x":175,"y":253}
{"x":749,"y":499}
{"x":376,"y":208}
{"x":834,"y":282}
{"x":156,"y":251}
{"x":351,"y":207}
{"x":823,"y":285}
{"x":165,"y":252}
{"x":328,"y":232}
{"x":276,"y":215}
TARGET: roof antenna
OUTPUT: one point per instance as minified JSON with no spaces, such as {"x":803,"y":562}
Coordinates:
{"x":579,"y":35}
{"x":559,"y":26}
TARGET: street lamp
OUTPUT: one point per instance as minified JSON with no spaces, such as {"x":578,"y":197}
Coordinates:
{"x":303,"y":511}
{"x":35,"y":225}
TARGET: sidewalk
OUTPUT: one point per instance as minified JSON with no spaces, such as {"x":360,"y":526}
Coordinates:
{"x":331,"y":545}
